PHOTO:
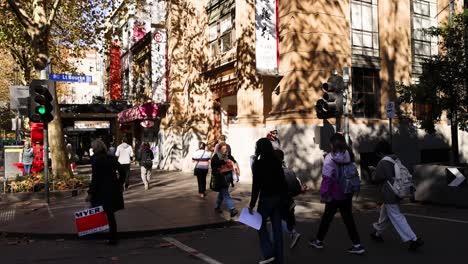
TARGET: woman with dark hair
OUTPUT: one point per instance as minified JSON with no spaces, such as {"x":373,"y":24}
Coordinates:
{"x":390,"y":213}
{"x":269,"y":183}
{"x":201,"y":158}
{"x":222,"y":165}
{"x":334,"y":198}
{"x":106,"y":188}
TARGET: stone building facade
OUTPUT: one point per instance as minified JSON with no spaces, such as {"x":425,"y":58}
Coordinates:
{"x":214,"y":87}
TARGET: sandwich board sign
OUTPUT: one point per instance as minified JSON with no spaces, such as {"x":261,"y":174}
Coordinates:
{"x":91,"y":221}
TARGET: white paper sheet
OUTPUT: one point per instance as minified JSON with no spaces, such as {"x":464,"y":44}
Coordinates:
{"x":254,"y":221}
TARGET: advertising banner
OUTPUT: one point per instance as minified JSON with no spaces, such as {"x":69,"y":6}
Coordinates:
{"x":159,"y":66}
{"x":91,"y":221}
{"x":266,"y":36}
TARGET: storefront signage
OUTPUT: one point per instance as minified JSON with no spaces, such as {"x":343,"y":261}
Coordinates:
{"x":266,"y":36}
{"x":92,"y":124}
{"x":159,"y":65}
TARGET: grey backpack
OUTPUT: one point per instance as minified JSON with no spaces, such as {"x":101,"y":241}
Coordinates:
{"x":402,"y":185}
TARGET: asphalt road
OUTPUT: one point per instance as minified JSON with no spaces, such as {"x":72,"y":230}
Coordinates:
{"x":445,"y":231}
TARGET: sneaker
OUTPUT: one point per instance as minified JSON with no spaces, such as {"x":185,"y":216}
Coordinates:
{"x":376,"y":237}
{"x":146,"y":186}
{"x":415,"y":244}
{"x":316,"y":243}
{"x":267,"y":260}
{"x":295,"y":236}
{"x":218,"y":210}
{"x":358,"y":250}
{"x":234,"y":212}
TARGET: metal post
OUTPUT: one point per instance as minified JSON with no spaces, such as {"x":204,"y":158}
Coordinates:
{"x":346,"y":112}
{"x":338,"y":123}
{"x":391,"y":132}
{"x":46,"y":161}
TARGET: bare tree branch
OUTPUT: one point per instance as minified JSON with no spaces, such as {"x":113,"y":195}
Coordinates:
{"x":53,"y":12}
{"x":23,"y":17}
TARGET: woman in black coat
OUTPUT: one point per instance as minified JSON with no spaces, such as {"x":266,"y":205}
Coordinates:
{"x":269,"y":187}
{"x":106,"y":187}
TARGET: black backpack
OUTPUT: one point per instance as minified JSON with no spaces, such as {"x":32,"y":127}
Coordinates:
{"x":147,"y":159}
{"x":294,"y":184}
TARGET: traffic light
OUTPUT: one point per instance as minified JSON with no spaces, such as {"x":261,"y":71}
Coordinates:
{"x":40,"y":102}
{"x":331,"y":103}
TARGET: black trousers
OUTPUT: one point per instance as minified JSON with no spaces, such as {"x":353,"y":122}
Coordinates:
{"x":288,"y":214}
{"x":112,"y":225}
{"x":346,"y":211}
{"x":126,"y":168}
{"x":201,"y":179}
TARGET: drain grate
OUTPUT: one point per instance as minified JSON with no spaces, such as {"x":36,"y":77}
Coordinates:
{"x":7,"y":216}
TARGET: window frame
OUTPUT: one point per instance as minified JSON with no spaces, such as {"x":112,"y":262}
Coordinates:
{"x":360,"y":32}
{"x":369,"y":96}
{"x":216,"y":45}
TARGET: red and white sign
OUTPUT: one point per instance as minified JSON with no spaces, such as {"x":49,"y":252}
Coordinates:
{"x":91,"y":221}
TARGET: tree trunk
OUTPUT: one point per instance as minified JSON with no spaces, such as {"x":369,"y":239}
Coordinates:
{"x":60,"y":163}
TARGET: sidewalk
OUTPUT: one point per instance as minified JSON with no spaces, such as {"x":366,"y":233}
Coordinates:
{"x":170,"y":205}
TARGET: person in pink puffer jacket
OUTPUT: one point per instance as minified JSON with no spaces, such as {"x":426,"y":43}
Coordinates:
{"x":334,"y":198}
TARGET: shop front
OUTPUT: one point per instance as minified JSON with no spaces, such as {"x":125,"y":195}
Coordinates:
{"x":141,"y":124}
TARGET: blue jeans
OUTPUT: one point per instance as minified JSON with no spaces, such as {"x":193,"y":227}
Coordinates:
{"x":270,"y":207}
{"x":223,"y":194}
{"x":27,"y":169}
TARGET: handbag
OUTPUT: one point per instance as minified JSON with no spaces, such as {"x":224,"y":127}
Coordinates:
{"x":198,"y":161}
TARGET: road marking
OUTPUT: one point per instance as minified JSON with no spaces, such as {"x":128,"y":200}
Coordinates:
{"x":191,"y":251}
{"x":7,"y":215}
{"x":438,"y":218}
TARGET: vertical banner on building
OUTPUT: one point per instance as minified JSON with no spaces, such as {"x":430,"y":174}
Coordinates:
{"x":159,"y":65}
{"x":158,"y":12}
{"x":115,"y":74}
{"x":266,"y":36}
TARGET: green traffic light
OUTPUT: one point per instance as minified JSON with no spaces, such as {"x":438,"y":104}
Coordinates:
{"x":41,"y":110}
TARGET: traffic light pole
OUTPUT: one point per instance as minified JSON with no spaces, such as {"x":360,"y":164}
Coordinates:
{"x":46,"y":160}
{"x":346,"y":111}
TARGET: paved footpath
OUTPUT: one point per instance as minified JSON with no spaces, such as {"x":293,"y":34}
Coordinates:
{"x":170,"y":204}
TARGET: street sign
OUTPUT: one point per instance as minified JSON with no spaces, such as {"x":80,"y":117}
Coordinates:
{"x":60,"y":77}
{"x":390,"y":109}
{"x":459,"y":177}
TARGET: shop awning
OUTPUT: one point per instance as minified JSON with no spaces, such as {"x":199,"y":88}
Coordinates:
{"x":147,"y":111}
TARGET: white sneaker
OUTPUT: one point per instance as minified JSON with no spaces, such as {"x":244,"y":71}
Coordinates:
{"x":267,"y":260}
{"x":295,"y":236}
{"x":146,"y":186}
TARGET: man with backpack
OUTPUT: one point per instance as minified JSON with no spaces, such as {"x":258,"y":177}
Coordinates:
{"x":146,"y":164}
{"x":396,"y":184}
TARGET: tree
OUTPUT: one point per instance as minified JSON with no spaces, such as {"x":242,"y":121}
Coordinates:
{"x":442,"y":86}
{"x":54,"y":27}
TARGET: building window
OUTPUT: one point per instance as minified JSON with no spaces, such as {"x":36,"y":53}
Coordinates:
{"x":424,"y":16}
{"x":366,"y":92}
{"x":365,"y":27}
{"x":221,"y":26}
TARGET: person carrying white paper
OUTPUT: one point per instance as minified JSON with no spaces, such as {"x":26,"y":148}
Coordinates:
{"x":269,"y":183}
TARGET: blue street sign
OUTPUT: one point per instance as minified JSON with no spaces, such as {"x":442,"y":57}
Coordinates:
{"x":60,"y":77}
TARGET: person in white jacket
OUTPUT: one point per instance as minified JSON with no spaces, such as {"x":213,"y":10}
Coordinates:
{"x":124,"y":153}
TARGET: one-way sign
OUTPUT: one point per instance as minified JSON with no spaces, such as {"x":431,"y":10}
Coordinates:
{"x":459,"y":177}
